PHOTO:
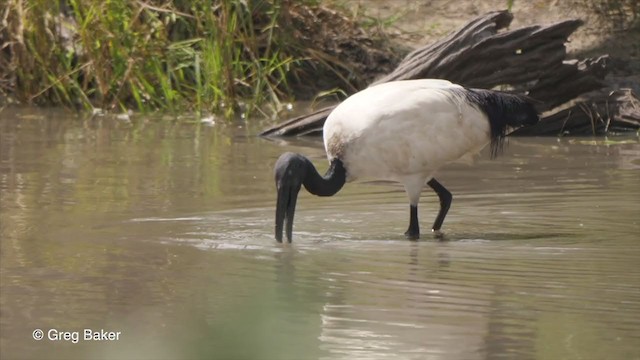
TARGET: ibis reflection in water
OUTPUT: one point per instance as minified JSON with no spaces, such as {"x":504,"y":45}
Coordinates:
{"x":402,"y":131}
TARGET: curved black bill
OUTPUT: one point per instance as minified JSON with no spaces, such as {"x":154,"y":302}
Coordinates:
{"x":285,"y":209}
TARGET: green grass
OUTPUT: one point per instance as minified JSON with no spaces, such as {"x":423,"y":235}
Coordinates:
{"x":204,"y":56}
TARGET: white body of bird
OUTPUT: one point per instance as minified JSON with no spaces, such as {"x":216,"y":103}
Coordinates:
{"x":404,"y":131}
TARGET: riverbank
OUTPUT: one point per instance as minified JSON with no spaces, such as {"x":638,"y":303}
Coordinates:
{"x":610,"y":27}
{"x":239,"y":55}
{"x":222,"y":57}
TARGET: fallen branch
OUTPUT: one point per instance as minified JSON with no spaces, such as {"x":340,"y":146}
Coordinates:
{"x":597,"y":113}
{"x":528,"y":60}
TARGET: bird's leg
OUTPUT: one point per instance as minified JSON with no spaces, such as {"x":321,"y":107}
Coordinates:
{"x":413,"y":232}
{"x":445,"y":202}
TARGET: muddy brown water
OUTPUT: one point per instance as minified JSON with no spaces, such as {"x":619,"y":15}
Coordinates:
{"x":162,"y":230}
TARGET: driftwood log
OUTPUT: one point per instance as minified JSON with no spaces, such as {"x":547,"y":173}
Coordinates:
{"x":527,"y":60}
{"x":600,"y":112}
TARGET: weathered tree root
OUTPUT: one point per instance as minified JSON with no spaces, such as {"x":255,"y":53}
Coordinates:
{"x":597,"y":113}
{"x":528,"y":60}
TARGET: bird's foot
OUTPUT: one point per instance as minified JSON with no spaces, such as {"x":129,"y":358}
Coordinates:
{"x":438,"y":234}
{"x":412,"y":235}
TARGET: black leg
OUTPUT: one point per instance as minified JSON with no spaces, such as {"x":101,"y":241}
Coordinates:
{"x":445,"y":202}
{"x":413,"y":233}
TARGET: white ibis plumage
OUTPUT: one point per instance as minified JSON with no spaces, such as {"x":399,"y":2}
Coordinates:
{"x":402,"y":131}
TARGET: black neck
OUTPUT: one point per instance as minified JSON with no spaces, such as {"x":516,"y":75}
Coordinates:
{"x":326,"y":185}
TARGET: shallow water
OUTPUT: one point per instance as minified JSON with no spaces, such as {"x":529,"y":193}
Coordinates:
{"x":162,"y":230}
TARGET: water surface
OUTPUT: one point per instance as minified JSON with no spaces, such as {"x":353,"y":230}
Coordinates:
{"x":162,"y":229}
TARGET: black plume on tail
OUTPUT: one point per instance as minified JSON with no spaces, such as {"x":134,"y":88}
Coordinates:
{"x":504,"y":110}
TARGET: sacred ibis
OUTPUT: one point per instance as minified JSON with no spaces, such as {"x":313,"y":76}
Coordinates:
{"x":402,"y":131}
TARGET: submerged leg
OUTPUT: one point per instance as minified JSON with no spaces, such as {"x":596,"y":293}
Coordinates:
{"x":445,"y":202}
{"x":413,"y":187}
{"x":413,"y":232}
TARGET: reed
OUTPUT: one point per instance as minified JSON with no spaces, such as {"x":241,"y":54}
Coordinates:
{"x":200,"y":55}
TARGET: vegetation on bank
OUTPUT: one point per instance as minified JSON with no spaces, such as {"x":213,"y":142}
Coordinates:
{"x":209,"y":56}
{"x":200,"y":55}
